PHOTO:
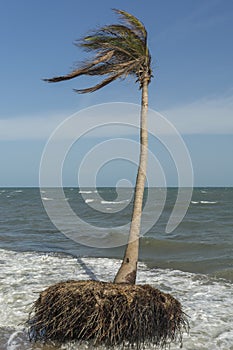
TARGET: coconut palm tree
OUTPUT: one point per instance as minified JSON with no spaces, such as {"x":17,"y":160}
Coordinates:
{"x":83,"y":308}
{"x":121,"y":50}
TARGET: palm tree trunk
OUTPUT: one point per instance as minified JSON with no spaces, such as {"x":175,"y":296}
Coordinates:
{"x":128,"y":270}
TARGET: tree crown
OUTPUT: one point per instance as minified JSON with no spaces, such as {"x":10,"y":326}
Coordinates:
{"x":120,"y":50}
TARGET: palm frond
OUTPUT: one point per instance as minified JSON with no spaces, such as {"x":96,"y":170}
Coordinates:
{"x":123,"y":32}
{"x":133,"y":22}
{"x":100,"y":85}
{"x":126,"y":37}
{"x":108,"y":68}
{"x":82,"y":70}
{"x":109,"y":42}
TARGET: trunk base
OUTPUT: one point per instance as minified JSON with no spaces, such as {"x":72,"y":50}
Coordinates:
{"x":106,"y":314}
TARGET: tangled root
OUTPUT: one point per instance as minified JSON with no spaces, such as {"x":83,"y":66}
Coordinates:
{"x":107,"y":314}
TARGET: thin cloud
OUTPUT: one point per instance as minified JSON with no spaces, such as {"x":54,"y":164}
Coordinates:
{"x":29,"y":127}
{"x":86,"y":122}
{"x":206,"y":116}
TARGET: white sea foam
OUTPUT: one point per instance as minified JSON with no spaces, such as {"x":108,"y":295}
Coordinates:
{"x":208,"y":202}
{"x":89,"y":200}
{"x":47,"y":199}
{"x":207,"y":301}
{"x":115,"y":202}
{"x":203,"y":202}
{"x":87,"y":192}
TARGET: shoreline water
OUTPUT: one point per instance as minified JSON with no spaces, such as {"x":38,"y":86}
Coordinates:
{"x":207,"y":301}
{"x":194,"y":263}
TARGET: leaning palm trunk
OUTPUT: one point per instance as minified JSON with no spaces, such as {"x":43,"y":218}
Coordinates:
{"x":122,"y":50}
{"x":128,"y":269}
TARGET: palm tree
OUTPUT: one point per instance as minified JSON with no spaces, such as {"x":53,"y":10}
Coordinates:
{"x":83,"y":309}
{"x":121,"y":50}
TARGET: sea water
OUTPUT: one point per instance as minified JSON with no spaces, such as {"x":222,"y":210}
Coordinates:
{"x":194,"y":263}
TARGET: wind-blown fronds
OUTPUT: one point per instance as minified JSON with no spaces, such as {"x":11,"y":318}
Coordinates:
{"x":133,"y":23}
{"x":82,"y":70}
{"x":120,"y":50}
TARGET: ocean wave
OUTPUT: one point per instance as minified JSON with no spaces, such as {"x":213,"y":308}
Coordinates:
{"x":115,"y":202}
{"x":87,"y":192}
{"x":47,"y":199}
{"x":89,"y":200}
{"x":208,"y":202}
{"x":204,"y":202}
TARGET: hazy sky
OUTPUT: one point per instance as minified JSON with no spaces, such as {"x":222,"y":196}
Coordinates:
{"x":191,"y":46}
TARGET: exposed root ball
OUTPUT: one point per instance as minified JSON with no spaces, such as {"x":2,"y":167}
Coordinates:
{"x":106,"y":313}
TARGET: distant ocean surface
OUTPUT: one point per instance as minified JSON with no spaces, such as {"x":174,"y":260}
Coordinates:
{"x":194,"y":263}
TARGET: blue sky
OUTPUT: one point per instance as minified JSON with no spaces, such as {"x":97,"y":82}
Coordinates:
{"x":191,"y":46}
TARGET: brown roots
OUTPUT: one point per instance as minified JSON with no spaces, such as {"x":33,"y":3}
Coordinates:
{"x":107,"y":314}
